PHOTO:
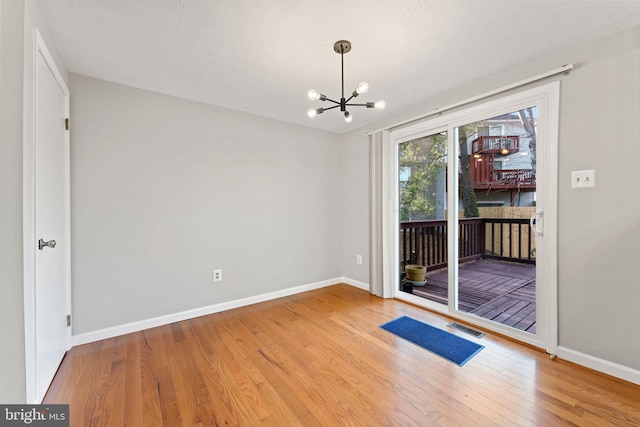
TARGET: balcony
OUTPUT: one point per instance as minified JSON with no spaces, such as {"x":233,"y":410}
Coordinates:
{"x":485,"y":177}
{"x":496,"y":145}
{"x":496,"y":270}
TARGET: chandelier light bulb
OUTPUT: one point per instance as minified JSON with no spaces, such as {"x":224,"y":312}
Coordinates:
{"x":362,"y":88}
{"x":312,"y":112}
{"x":347,"y":117}
{"x":379,"y":105}
{"x":313,"y":95}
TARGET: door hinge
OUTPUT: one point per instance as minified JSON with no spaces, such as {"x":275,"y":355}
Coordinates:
{"x":66,"y":123}
{"x":68,"y":320}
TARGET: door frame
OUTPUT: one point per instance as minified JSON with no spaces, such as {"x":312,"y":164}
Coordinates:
{"x":30,"y":206}
{"x":546,"y":97}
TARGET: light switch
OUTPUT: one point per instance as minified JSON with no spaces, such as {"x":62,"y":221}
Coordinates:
{"x":583,"y":179}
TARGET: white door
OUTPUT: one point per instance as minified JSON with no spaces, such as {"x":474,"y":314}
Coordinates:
{"x":52,"y":221}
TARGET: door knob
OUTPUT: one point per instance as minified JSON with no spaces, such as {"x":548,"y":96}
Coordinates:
{"x":50,"y":244}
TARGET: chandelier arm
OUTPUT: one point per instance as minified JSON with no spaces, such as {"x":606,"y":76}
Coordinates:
{"x":335,"y":102}
{"x":331,"y":108}
{"x":356,"y":105}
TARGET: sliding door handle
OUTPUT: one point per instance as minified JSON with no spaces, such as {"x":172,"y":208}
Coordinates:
{"x":537,"y":222}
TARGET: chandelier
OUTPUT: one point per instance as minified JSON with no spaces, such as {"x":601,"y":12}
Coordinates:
{"x":342,"y":47}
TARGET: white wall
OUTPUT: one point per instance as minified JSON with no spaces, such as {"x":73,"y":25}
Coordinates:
{"x":12,"y":368}
{"x":355,"y":202}
{"x":164,"y":190}
{"x":599,"y":229}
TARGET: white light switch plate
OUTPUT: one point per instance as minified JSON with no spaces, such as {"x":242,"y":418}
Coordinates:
{"x":583,"y":179}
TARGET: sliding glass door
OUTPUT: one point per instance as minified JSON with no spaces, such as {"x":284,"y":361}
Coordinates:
{"x":472,"y":189}
{"x":497,"y":197}
{"x":422,"y":190}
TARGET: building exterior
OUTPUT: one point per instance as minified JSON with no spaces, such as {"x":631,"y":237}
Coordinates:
{"x":502,"y":160}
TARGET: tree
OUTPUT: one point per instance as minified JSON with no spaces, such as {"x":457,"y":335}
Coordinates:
{"x":425,"y":158}
{"x":529,"y":127}
{"x":468,"y":195}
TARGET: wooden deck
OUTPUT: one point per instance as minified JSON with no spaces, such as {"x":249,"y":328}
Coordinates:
{"x":499,"y":291}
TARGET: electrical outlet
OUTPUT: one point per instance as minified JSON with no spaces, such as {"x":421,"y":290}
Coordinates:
{"x":583,"y":179}
{"x":217,"y":275}
{"x":358,"y":259}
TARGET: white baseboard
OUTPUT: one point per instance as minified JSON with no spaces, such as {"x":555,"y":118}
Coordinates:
{"x":356,"y":283}
{"x":601,"y":365}
{"x":197,"y":312}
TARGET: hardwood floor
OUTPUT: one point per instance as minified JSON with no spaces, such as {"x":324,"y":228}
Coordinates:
{"x":320,"y":359}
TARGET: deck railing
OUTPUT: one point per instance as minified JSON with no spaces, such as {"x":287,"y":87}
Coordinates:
{"x":508,"y":239}
{"x":496,"y":144}
{"x":484,"y":176}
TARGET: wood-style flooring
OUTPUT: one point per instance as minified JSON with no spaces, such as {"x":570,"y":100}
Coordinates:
{"x":496,"y":290}
{"x":319,"y":358}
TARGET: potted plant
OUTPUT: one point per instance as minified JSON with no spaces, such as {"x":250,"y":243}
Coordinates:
{"x":415,"y":273}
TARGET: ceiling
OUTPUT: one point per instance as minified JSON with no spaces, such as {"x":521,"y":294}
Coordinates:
{"x":262,"y":57}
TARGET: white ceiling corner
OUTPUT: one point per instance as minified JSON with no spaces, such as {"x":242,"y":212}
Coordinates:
{"x":261,"y":57}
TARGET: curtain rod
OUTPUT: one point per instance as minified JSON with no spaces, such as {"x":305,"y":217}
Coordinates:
{"x":564,"y":69}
